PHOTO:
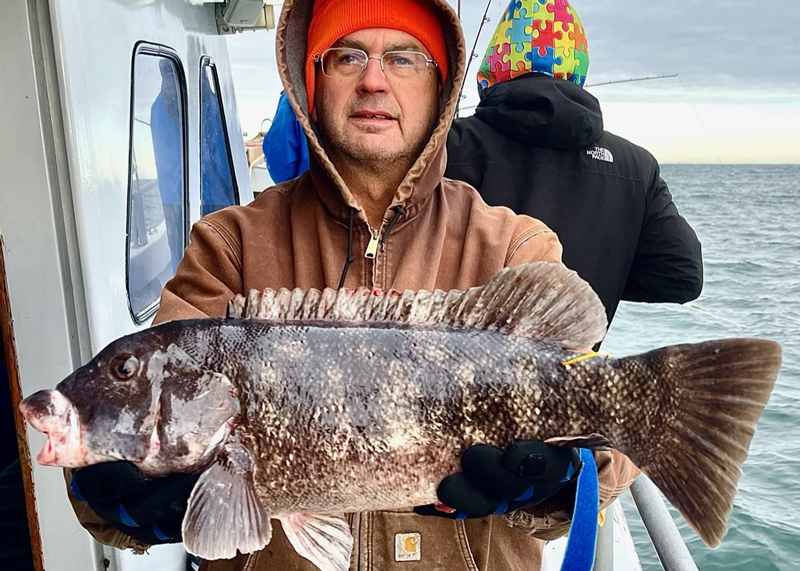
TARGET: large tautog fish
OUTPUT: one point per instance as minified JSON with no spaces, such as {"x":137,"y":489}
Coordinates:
{"x":303,"y":406}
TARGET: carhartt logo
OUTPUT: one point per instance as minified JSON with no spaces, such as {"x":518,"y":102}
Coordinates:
{"x":406,"y":547}
{"x":601,"y":154}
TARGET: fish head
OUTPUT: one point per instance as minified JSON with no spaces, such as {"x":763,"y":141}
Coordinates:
{"x":144,"y":399}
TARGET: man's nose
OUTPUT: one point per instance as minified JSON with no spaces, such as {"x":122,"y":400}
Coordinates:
{"x":373,"y":79}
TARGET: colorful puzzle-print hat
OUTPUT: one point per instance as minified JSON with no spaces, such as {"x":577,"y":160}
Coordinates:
{"x":536,"y":35}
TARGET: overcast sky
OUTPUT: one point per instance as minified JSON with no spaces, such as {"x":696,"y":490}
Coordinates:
{"x":736,"y":98}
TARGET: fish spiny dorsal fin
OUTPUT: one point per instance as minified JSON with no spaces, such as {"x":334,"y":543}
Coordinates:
{"x":232,"y":310}
{"x":540,"y":300}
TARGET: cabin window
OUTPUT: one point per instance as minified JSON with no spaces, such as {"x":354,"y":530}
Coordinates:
{"x":217,"y":182}
{"x":158,"y":176}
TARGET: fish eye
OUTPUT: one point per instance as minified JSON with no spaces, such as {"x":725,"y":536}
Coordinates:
{"x":124,"y":366}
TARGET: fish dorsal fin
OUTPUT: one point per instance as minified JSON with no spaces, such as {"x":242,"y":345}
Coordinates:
{"x":541,"y":300}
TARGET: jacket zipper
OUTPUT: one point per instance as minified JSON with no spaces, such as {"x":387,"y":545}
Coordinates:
{"x":374,"y":240}
{"x":378,"y":239}
{"x":372,"y":251}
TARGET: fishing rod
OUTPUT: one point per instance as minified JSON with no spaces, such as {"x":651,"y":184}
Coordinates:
{"x":472,"y":55}
{"x":688,"y":98}
{"x":647,"y":78}
{"x":609,"y":83}
{"x":712,"y":316}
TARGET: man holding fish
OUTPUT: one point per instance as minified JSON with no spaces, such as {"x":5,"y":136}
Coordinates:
{"x":374,"y":85}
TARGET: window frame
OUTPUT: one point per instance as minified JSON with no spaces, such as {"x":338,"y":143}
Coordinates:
{"x":155,"y":50}
{"x":208,"y":61}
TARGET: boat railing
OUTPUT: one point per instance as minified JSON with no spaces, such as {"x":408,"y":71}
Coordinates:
{"x":661,"y":529}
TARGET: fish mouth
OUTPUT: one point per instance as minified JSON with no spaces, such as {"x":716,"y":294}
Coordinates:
{"x":52,"y":414}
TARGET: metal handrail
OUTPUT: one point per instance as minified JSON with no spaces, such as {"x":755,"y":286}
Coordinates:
{"x":604,"y":553}
{"x":667,"y":540}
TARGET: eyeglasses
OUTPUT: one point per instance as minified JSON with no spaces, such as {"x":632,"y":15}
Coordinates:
{"x":351,"y":62}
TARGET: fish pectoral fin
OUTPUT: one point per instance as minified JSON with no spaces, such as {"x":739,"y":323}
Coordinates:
{"x":224,"y":515}
{"x":323,"y":539}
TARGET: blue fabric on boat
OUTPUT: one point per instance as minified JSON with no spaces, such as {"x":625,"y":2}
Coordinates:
{"x":582,"y":540}
{"x":284,"y":145}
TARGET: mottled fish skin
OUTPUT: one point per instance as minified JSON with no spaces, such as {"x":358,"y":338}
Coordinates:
{"x":365,"y":418}
{"x":359,"y":400}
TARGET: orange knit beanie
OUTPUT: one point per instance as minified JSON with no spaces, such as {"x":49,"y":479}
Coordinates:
{"x":335,"y":19}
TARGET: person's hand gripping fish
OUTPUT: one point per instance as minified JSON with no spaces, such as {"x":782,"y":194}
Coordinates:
{"x":494,"y":481}
{"x":147,"y":510}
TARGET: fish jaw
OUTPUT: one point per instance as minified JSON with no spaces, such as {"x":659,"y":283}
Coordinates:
{"x":51,"y":413}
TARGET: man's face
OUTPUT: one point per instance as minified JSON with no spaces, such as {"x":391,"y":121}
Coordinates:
{"x":372,"y":117}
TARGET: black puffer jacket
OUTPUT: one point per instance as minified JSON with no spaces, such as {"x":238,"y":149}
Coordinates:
{"x":537,"y":145}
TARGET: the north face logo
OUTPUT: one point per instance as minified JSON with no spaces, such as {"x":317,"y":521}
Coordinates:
{"x":600,"y":154}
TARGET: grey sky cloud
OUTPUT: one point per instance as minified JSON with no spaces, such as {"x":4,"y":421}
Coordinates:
{"x":731,"y":44}
{"x":722,"y":43}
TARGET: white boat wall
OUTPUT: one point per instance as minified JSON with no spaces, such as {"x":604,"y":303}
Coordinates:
{"x":77,"y":95}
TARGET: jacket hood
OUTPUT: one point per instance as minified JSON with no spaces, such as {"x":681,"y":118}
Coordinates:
{"x":428,"y":170}
{"x":543,"y":36}
{"x":537,"y":109}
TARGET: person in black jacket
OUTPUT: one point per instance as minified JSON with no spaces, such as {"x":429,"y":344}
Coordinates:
{"x":536,"y":144}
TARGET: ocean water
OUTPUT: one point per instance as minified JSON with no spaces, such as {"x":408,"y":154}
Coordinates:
{"x":748,"y":220}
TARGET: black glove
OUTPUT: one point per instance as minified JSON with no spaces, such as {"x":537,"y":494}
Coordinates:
{"x":149,"y":511}
{"x":499,"y":481}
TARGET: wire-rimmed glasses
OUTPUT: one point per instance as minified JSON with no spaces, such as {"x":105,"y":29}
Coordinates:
{"x":351,"y":62}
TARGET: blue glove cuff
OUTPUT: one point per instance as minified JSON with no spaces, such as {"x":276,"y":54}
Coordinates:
{"x":582,"y":540}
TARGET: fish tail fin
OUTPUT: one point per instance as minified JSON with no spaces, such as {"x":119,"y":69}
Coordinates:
{"x":714,"y":394}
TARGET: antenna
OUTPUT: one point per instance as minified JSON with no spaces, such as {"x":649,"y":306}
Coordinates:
{"x":472,"y":54}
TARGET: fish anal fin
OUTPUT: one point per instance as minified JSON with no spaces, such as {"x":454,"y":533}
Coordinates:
{"x":224,"y":515}
{"x":323,"y":539}
{"x":541,"y":300}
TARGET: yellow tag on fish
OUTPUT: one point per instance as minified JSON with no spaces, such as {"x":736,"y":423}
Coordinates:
{"x":584,"y":357}
{"x":406,"y":547}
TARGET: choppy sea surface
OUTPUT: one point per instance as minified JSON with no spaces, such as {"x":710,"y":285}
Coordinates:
{"x":748,"y":220}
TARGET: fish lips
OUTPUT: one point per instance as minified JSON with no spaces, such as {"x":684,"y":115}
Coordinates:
{"x":51,"y":413}
{"x":47,"y":411}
